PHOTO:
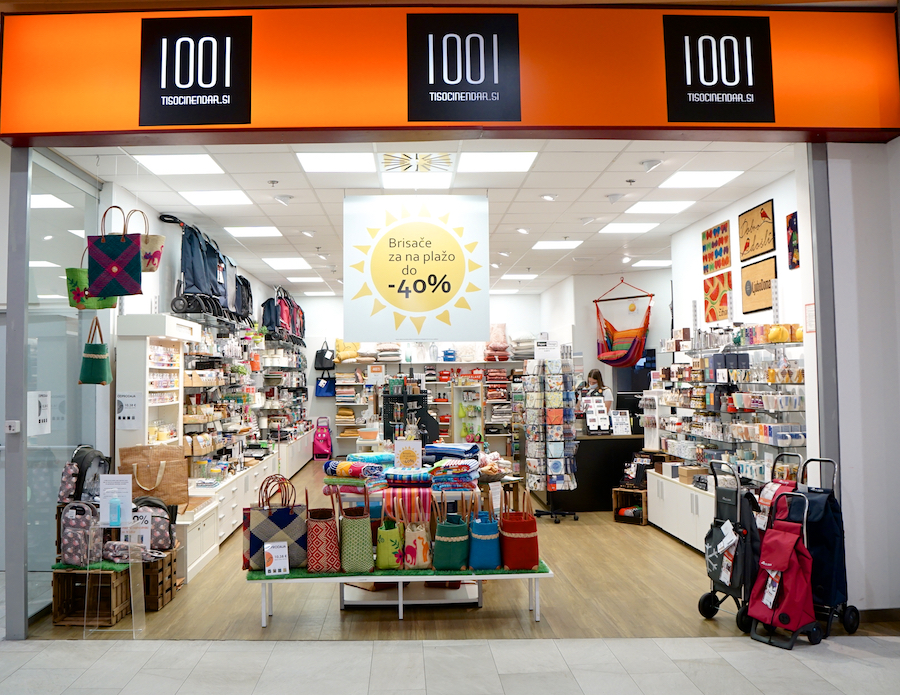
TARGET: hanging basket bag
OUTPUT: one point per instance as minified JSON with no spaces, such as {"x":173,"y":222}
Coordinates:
{"x":95,"y":367}
{"x":79,"y":295}
{"x":114,"y":261}
{"x":151,"y":245}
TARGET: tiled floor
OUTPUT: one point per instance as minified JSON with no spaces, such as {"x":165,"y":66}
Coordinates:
{"x":677,"y":666}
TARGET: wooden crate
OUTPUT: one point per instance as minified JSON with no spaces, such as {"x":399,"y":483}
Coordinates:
{"x":108,"y":594}
{"x":625,"y":497}
{"x":159,"y":581}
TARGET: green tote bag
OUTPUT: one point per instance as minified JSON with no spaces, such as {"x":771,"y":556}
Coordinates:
{"x":451,"y":539}
{"x":356,"y":538}
{"x":95,"y":367}
{"x":79,"y":296}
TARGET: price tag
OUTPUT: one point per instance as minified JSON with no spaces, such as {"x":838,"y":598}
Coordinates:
{"x":276,"y":558}
{"x":496,"y":490}
{"x":141,"y":527}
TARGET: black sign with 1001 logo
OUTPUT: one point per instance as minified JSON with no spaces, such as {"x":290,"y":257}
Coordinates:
{"x":195,"y":71}
{"x":463,"y":67}
{"x":718,"y":69}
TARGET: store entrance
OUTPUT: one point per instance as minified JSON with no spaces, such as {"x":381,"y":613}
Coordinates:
{"x":566,"y":221}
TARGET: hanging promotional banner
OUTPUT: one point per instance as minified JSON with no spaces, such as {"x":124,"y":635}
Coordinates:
{"x":416,"y":268}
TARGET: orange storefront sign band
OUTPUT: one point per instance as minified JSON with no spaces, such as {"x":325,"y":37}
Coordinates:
{"x":347,"y":69}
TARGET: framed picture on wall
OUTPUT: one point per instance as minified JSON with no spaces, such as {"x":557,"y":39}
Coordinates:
{"x":756,"y":231}
{"x":716,"y":290}
{"x":756,"y":285}
{"x":716,"y":248}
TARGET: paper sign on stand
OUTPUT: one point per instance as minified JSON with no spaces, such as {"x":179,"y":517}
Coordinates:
{"x":276,"y":558}
{"x":115,"y":497}
{"x":408,"y":453}
{"x":546,"y":350}
{"x":375,"y":375}
{"x":38,"y":413}
{"x":595,"y":414}
{"x":621,"y":422}
{"x":140,"y":529}
{"x":496,"y":490}
{"x":129,"y":411}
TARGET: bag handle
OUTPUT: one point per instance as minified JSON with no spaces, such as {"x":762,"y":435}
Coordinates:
{"x":103,"y":223}
{"x":95,"y":332}
{"x":159,"y":477}
{"x":81,"y":265}
{"x":527,"y":506}
{"x":144,"y":215}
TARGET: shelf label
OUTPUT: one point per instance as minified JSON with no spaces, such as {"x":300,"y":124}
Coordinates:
{"x":276,"y":558}
{"x":129,"y":410}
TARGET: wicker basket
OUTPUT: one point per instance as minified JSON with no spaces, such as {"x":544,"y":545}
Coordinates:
{"x":484,"y":478}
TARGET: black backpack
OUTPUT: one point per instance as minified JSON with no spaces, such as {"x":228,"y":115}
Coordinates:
{"x":215,"y":272}
{"x":244,"y":297}
{"x":91,"y":465}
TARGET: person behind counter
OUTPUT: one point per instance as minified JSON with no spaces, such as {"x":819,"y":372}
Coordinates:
{"x":597,"y":389}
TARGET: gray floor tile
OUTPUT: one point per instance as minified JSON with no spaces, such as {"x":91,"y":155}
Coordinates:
{"x":716,"y":676}
{"x":527,"y":656}
{"x":177,"y":655}
{"x":848,"y":675}
{"x":69,"y":654}
{"x":460,"y":667}
{"x":324,"y":668}
{"x":28,"y":645}
{"x":92,"y":691}
{"x":398,"y":692}
{"x":39,"y":682}
{"x":813,"y":685}
{"x":686,"y":648}
{"x":156,"y":681}
{"x":116,"y":674}
{"x":214,"y":682}
{"x":10,"y":662}
{"x":596,"y":683}
{"x":147,"y":645}
{"x":641,"y":656}
{"x":398,"y":669}
{"x":399,"y":647}
{"x":545,"y":683}
{"x":665,"y":684}
{"x":588,"y":653}
{"x":239,"y":646}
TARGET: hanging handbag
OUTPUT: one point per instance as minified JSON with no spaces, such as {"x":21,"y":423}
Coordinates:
{"x":156,"y":471}
{"x":95,"y":367}
{"x":417,"y":536}
{"x":114,"y":262}
{"x":484,"y":541}
{"x":270,"y":522}
{"x":451,"y":538}
{"x":518,"y":536}
{"x":151,"y":244}
{"x":323,"y":547}
{"x":324,"y":358}
{"x":325,"y":386}
{"x":356,"y":537}
{"x":389,"y":540}
{"x":78,"y":290}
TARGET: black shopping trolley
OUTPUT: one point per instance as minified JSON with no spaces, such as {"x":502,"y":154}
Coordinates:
{"x":732,"y":570}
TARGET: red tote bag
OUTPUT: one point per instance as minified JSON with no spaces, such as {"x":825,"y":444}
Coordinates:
{"x":323,"y":547}
{"x":519,"y":536}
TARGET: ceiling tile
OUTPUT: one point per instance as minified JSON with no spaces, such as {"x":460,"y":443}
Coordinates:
{"x":550,"y":183}
{"x":261,"y":163}
{"x":743,"y":147}
{"x":166,"y":149}
{"x":666,"y":146}
{"x":586,"y":145}
{"x":334,"y":147}
{"x":200,"y":182}
{"x":572,"y":161}
{"x":489,"y":180}
{"x":267,"y":196}
{"x":727,"y":161}
{"x":344,"y":181}
{"x":260,"y":182}
{"x":783,"y":161}
{"x":501,"y":145}
{"x":252,"y":149}
{"x":141,"y":183}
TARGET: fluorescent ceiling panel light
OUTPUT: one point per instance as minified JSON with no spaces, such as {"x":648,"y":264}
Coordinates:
{"x":651,"y":264}
{"x":416,"y":179}
{"x":521,"y":276}
{"x":252,"y":231}
{"x":295,"y":263}
{"x":77,"y":232}
{"x":504,"y":291}
{"x":48,"y":201}
{"x":179,"y":164}
{"x":216,"y":197}
{"x":319,"y":294}
{"x":42,"y":264}
{"x":337,"y":162}
{"x":51,"y":296}
{"x":305,"y":280}
{"x":628,"y":227}
{"x":495,"y":162}
{"x":556,"y":245}
{"x":699,"y":179}
{"x":660,"y":207}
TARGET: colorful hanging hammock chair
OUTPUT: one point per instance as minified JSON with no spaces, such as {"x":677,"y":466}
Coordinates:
{"x":621,"y":348}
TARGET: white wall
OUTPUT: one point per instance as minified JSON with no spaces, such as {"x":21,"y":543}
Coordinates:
{"x":558,"y":310}
{"x":864,"y":183}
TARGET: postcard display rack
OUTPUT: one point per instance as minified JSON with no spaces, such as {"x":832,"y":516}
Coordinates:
{"x":549,"y":425}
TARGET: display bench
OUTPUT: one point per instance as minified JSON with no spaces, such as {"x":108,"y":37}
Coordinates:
{"x":683,"y":511}
{"x":416,"y":594}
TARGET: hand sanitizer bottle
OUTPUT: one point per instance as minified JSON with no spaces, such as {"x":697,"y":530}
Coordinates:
{"x":115,"y":512}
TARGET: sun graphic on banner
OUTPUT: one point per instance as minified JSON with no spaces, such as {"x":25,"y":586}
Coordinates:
{"x":417,"y":265}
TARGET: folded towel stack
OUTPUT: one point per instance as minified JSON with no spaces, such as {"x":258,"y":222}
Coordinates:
{"x":345,"y":394}
{"x":389,"y":352}
{"x":407,"y":477}
{"x":523,"y":348}
{"x":353,"y":485}
{"x":459,"y":451}
{"x":345,"y":416}
{"x":353,"y":469}
{"x":384,"y":458}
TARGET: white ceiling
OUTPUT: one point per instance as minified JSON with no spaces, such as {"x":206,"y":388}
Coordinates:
{"x":581,"y":173}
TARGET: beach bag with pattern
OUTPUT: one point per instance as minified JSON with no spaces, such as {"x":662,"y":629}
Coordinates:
{"x":356,"y":538}
{"x":519,"y":537}
{"x":114,"y":261}
{"x":323,"y":547}
{"x":285,"y":521}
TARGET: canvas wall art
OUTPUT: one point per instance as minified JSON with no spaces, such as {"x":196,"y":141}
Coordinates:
{"x":716,"y":291}
{"x":756,"y":231}
{"x":716,"y":248}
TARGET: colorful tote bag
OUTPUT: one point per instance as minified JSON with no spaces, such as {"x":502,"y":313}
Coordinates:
{"x":417,"y":538}
{"x":519,"y":537}
{"x":389,"y":542}
{"x":114,"y":262}
{"x":451,"y":539}
{"x":151,"y":244}
{"x":275,"y":522}
{"x":356,"y":538}
{"x":323,"y":547}
{"x":78,"y":546}
{"x":95,"y":367}
{"x":78,"y":290}
{"x":484,"y":541}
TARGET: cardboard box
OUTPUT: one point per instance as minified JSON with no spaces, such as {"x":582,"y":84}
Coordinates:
{"x":686,"y":473}
{"x":657,"y":467}
{"x":670,"y":470}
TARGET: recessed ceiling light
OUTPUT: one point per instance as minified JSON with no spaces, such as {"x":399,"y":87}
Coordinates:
{"x":179,"y":164}
{"x":651,"y":264}
{"x":521,"y":276}
{"x":498,"y":162}
{"x":614,"y":197}
{"x":585,"y":221}
{"x":660,"y":207}
{"x":650,"y":164}
{"x":582,"y":259}
{"x":295,"y":263}
{"x":51,"y":296}
{"x":628,"y":227}
{"x":549,"y":197}
{"x":283,"y":199}
{"x":77,"y":232}
{"x":319,"y":294}
{"x":522,"y":230}
{"x":556,"y":245}
{"x":341,"y":282}
{"x":337,"y":162}
{"x":416,"y":179}
{"x":626,"y":259}
{"x":252,"y":231}
{"x":305,"y":280}
{"x":323,"y":256}
{"x":48,"y":201}
{"x":699,"y":179}
{"x":505,"y":254}
{"x":48,"y":237}
{"x":42,"y":264}
{"x":495,"y":265}
{"x":216,"y":197}
{"x":310,"y":233}
{"x":504,"y":291}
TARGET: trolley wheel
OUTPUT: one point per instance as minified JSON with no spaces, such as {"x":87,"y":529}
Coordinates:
{"x":850,"y":619}
{"x":743,"y":620}
{"x":708,"y":606}
{"x":575,"y":517}
{"x":557,"y":520}
{"x":815,"y":634}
